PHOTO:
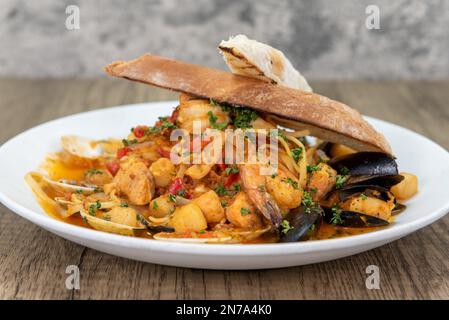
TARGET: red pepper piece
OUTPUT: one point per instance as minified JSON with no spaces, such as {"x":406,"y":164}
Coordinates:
{"x":113,"y":167}
{"x":139,"y":131}
{"x":122,"y":152}
{"x":233,"y":177}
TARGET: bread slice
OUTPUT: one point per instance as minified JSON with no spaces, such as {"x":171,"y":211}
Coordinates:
{"x":254,"y":59}
{"x":325,"y":118}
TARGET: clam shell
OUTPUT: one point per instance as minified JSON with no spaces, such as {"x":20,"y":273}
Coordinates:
{"x":108,"y":226}
{"x":81,"y":147}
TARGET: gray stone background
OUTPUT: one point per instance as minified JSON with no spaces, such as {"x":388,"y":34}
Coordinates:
{"x":324,"y":39}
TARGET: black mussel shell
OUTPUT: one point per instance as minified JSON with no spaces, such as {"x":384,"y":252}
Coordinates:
{"x":348,"y":191}
{"x":301,"y":220}
{"x":157,"y":229}
{"x":365,"y":163}
{"x":386,"y":181}
{"x":353,"y":219}
{"x":326,"y":146}
{"x":153,"y":228}
{"x":398,"y":209}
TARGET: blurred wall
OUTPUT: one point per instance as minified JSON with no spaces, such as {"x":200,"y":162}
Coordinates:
{"x":324,"y":39}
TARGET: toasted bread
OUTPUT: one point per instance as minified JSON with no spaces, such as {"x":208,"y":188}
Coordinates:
{"x":325,"y":118}
{"x":254,"y":59}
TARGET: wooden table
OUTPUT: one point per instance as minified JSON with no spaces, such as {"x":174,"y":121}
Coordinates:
{"x":33,"y":261}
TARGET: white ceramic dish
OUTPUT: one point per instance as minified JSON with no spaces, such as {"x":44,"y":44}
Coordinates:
{"x":25,"y":152}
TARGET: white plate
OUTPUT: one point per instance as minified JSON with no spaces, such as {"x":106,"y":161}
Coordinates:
{"x":26,"y":151}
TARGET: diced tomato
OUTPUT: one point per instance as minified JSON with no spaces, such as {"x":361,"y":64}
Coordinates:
{"x":164,"y":153}
{"x":113,"y":167}
{"x":233,"y":177}
{"x":139,"y":131}
{"x":222,"y":166}
{"x":176,"y":186}
{"x":122,"y":152}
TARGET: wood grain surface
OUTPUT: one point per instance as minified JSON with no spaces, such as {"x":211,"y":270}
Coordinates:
{"x":33,"y":261}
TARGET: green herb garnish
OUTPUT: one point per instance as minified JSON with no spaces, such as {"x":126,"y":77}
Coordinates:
{"x":94,"y":207}
{"x":93,"y":171}
{"x":221,"y":190}
{"x":244,"y":211}
{"x":285,"y":225}
{"x":340,"y":181}
{"x":292,"y":182}
{"x":313,"y":168}
{"x":213,"y":122}
{"x":336,"y":215}
{"x":296,"y":153}
{"x":231,"y":170}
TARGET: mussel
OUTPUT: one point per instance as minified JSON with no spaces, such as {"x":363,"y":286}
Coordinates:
{"x":300,"y":221}
{"x":365,"y":163}
{"x":351,"y":219}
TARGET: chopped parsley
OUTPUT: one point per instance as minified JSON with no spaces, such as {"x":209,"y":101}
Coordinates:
{"x":274,"y":175}
{"x":127,"y":143}
{"x":237,"y":187}
{"x":94,"y":207}
{"x":124,"y":205}
{"x":344,"y":171}
{"x":340,"y":181}
{"x":307,"y":199}
{"x":231,"y":170}
{"x":202,"y":231}
{"x":213,"y":122}
{"x":296,"y":153}
{"x":278,"y":133}
{"x":93,"y":171}
{"x":363,"y":196}
{"x":164,"y":124}
{"x":244,"y":211}
{"x":285,"y":225}
{"x":172,"y":197}
{"x":221,"y":190}
{"x":313,"y":168}
{"x":292,"y":182}
{"x":79,"y":191}
{"x":241,"y":116}
{"x":155,"y":205}
{"x":181,"y":193}
{"x":336,"y":215}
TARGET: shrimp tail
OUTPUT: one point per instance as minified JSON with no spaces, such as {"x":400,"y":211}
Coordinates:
{"x":267,"y":206}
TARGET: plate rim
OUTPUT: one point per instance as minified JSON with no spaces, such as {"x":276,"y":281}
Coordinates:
{"x":381,"y":236}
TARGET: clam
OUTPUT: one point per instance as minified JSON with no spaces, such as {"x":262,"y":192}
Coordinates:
{"x":111,"y":227}
{"x":300,"y":220}
{"x":154,"y":228}
{"x":81,"y":147}
{"x":70,"y":185}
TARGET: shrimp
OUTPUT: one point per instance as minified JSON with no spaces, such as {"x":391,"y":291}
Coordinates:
{"x":254,"y":185}
{"x":200,"y":110}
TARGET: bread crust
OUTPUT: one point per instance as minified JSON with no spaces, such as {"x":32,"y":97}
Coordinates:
{"x":325,"y":118}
